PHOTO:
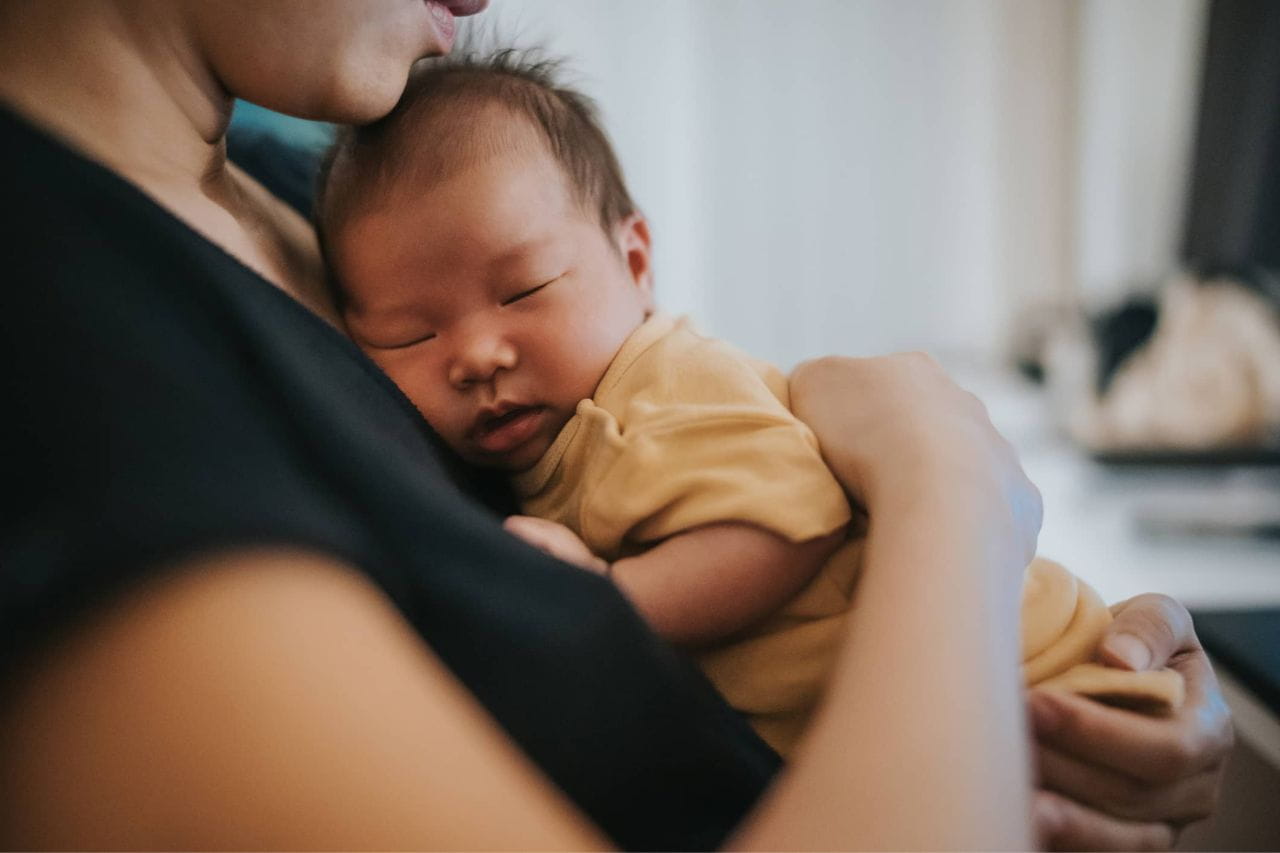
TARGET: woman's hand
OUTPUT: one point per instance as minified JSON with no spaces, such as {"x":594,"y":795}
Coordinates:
{"x":899,"y":424}
{"x":1116,"y":780}
{"x":556,"y":540}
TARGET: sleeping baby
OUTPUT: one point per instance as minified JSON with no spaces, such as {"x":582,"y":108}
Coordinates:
{"x":501,"y":276}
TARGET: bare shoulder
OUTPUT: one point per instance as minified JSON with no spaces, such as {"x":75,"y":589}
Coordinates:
{"x":259,"y":699}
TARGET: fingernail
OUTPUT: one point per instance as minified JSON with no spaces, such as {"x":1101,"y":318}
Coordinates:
{"x":1130,"y":650}
{"x":1044,"y":714}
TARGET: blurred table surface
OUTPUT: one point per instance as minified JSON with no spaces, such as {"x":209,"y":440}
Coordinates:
{"x":1133,"y":529}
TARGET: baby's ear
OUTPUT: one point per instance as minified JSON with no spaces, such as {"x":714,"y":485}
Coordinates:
{"x":635,"y":246}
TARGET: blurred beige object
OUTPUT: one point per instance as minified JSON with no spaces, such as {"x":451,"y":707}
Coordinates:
{"x":1208,"y":377}
{"x":1063,"y":619}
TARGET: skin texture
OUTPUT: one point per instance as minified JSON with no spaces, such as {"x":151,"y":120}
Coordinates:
{"x":144,"y":87}
{"x":476,"y":309}
{"x":355,"y":64}
{"x":700,"y":587}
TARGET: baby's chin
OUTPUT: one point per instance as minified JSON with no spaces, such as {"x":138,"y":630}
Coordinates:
{"x":516,"y":462}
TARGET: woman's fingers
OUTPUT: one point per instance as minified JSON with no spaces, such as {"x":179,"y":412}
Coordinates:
{"x":898,"y":422}
{"x":1152,"y":749}
{"x":1126,"y":797}
{"x":1149,"y":632}
{"x":1146,"y":633}
{"x":1117,"y":779}
{"x":1062,"y":824}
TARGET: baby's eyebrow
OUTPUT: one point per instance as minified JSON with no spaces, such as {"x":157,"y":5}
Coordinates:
{"x":514,"y":255}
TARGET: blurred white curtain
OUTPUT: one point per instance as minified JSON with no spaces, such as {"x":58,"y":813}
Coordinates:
{"x":1139,"y":88}
{"x":862,"y":176}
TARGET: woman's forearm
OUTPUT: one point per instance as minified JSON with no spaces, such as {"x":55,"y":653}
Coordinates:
{"x":925,"y":702}
{"x":920,"y":743}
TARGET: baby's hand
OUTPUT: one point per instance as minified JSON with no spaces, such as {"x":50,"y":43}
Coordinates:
{"x":557,"y":540}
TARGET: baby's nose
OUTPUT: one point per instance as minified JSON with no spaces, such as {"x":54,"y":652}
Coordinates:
{"x":480,"y":360}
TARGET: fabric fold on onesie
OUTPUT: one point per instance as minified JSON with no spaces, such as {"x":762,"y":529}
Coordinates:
{"x":1063,"y":620}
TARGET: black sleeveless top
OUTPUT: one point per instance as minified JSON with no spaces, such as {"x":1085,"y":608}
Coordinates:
{"x":163,"y":400}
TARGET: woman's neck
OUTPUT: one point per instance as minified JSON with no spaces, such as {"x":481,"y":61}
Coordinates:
{"x":128,"y":90}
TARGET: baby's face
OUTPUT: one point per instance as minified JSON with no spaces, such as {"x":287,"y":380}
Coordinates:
{"x":494,"y":302}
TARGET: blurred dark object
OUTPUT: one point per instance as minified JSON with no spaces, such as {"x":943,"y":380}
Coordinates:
{"x":1119,"y":333}
{"x":1214,"y":457}
{"x":1233,"y":213}
{"x":1247,"y":643}
{"x":1114,"y":334}
{"x":1193,"y":376}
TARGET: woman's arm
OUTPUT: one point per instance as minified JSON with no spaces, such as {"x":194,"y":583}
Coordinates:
{"x":926,"y":698}
{"x":262,"y":700}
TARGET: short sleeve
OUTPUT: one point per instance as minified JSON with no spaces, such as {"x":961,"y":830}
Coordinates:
{"x":680,"y":465}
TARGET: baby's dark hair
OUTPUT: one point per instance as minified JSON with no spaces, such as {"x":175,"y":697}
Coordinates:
{"x":364,"y":163}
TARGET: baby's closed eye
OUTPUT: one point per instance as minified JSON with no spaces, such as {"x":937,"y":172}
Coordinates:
{"x":524,"y":294}
{"x":403,"y":343}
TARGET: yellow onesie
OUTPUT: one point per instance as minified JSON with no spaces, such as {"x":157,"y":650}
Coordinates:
{"x":685,"y":430}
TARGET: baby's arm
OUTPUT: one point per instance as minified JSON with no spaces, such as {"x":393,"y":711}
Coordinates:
{"x":703,"y":585}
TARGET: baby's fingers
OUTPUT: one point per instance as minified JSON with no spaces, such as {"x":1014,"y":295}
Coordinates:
{"x":555,"y":539}
{"x":535,"y":531}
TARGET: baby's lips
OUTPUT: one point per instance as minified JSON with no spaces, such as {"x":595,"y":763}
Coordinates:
{"x":506,"y":432}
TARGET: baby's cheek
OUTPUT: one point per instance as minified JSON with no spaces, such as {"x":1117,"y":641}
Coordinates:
{"x":427,"y":393}
{"x":443,"y":416}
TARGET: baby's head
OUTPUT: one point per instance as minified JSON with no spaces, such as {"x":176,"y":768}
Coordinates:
{"x":486,"y":252}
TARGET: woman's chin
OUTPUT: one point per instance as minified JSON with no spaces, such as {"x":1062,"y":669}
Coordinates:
{"x":365,"y":104}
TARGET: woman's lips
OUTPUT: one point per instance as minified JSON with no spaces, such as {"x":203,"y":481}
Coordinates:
{"x":462,"y":8}
{"x":442,"y":15}
{"x":506,"y":433}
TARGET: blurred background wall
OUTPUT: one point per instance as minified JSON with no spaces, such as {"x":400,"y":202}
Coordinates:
{"x":861,"y":176}
{"x":869,"y":175}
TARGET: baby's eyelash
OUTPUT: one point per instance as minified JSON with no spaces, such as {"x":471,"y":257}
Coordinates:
{"x":522,"y":294}
{"x":411,"y":343}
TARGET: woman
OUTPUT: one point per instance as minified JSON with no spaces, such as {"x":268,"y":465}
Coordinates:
{"x":245,"y":605}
